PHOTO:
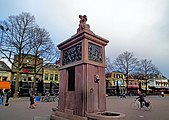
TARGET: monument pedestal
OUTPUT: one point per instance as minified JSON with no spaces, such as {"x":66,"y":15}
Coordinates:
{"x":57,"y":115}
{"x":82,"y":85}
{"x":106,"y":115}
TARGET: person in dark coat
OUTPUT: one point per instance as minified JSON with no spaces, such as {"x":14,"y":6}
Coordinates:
{"x":141,"y":99}
{"x":32,"y":101}
{"x":8,"y":94}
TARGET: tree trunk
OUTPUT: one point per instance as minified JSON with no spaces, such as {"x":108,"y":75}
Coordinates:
{"x":16,"y":84}
{"x":146,"y":86}
{"x":34,"y":83}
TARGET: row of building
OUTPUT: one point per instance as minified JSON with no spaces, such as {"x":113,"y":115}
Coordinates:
{"x":49,"y":74}
{"x":116,"y":84}
{"x":115,"y":81}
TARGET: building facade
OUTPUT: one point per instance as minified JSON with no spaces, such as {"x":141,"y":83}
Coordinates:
{"x":5,"y":72}
{"x":158,"y":86}
{"x":5,"y":75}
{"x":51,"y":76}
{"x":31,"y":66}
{"x":133,"y":86}
{"x":115,"y":83}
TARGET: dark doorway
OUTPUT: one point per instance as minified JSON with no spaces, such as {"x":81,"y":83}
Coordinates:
{"x":71,"y":79}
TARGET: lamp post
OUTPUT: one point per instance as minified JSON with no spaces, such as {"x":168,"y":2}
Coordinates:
{"x":2,"y":34}
{"x":3,"y":30}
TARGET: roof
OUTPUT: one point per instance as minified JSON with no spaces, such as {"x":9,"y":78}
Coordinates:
{"x":4,"y":66}
{"x":52,"y":66}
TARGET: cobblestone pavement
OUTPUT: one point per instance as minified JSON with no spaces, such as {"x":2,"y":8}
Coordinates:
{"x":19,"y":109}
{"x":159,"y":111}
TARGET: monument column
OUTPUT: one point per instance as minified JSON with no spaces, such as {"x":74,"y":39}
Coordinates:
{"x":82,"y":85}
{"x":82,"y":80}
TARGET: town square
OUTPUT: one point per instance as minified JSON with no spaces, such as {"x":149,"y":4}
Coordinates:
{"x":19,"y":109}
{"x":106,"y":68}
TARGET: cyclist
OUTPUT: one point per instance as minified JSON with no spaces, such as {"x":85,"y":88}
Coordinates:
{"x":141,"y":99}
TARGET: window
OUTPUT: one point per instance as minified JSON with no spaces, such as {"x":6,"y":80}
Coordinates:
{"x":71,"y":79}
{"x":46,"y":76}
{"x":131,"y":83}
{"x":4,"y":78}
{"x":1,"y":66}
{"x":56,"y":77}
{"x":51,"y":76}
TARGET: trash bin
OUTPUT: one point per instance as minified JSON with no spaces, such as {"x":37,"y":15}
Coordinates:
{"x":0,"y":100}
{"x":37,"y":98}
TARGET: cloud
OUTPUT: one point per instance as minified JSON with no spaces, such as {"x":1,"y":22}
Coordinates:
{"x":139,"y":26}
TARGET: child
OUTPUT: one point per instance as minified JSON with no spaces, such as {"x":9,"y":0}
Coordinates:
{"x":32,"y":102}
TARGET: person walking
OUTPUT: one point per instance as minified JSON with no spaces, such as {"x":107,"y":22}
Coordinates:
{"x":2,"y":94}
{"x":8,"y":94}
{"x":32,"y":102}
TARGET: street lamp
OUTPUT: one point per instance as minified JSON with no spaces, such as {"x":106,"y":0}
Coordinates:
{"x":3,"y":29}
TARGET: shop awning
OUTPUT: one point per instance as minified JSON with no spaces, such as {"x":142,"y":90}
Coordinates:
{"x":5,"y":84}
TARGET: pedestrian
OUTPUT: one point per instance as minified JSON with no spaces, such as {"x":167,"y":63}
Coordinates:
{"x":8,"y":94}
{"x":32,"y":102}
{"x":2,"y":94}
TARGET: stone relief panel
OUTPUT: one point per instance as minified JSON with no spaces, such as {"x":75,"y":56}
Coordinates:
{"x":94,"y":52}
{"x":72,"y":54}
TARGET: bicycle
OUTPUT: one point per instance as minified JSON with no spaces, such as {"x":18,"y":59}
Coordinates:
{"x":136,"y":105}
{"x":48,"y":98}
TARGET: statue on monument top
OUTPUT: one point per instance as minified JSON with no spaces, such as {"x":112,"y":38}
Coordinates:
{"x":82,"y":23}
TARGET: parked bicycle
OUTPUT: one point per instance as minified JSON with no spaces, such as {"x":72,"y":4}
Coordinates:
{"x":136,"y":105}
{"x":48,"y":98}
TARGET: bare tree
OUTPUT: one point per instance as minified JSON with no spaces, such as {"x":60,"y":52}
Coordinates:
{"x":16,"y":41}
{"x":146,"y":69}
{"x":109,"y":67}
{"x":126,"y":63}
{"x":42,"y":47}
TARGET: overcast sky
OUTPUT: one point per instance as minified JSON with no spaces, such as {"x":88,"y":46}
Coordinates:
{"x":138,"y":26}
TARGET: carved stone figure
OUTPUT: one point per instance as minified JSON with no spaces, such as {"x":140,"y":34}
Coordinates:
{"x":95,"y":53}
{"x":82,"y":23}
{"x":72,"y":54}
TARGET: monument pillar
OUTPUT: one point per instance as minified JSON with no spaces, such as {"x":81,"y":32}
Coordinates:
{"x":82,"y":88}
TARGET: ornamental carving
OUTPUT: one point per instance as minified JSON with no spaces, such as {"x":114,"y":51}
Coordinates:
{"x":72,"y":54}
{"x":82,"y":23}
{"x":95,"y":53}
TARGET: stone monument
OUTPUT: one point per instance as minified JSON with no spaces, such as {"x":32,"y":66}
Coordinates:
{"x":82,"y":89}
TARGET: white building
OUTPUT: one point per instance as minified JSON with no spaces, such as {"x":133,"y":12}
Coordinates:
{"x":159,"y":85}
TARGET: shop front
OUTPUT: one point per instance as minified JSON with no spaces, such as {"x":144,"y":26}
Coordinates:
{"x":5,"y":84}
{"x":133,"y":89}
